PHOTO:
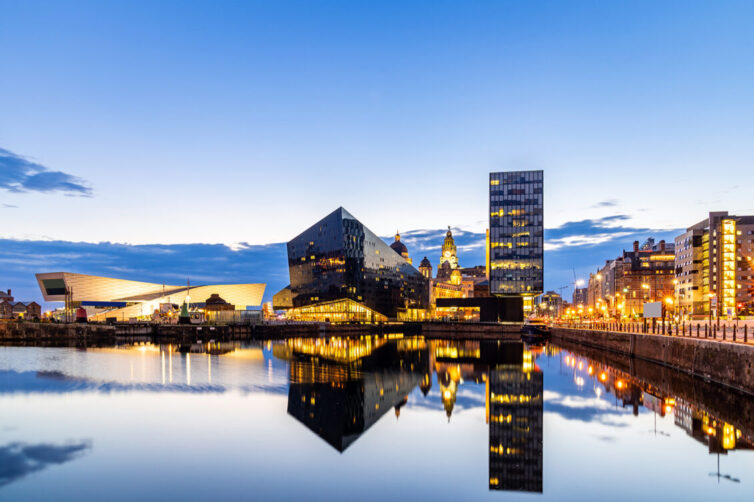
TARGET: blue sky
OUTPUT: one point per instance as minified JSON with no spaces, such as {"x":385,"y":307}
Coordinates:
{"x":242,"y":122}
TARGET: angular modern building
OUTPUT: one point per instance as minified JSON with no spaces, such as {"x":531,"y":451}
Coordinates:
{"x":122,"y":299}
{"x":516,"y":242}
{"x":341,"y":271}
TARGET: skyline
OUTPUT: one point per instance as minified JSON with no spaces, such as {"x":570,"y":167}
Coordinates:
{"x":141,"y":124}
{"x":217,"y":263}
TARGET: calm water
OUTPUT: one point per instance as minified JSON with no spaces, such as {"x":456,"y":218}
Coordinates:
{"x":369,"y":419}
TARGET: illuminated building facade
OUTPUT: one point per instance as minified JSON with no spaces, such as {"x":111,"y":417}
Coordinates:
{"x":579,"y":296}
{"x":345,"y":310}
{"x":448,"y":255}
{"x":120,"y":299}
{"x":516,"y":235}
{"x":425,"y":267}
{"x":454,"y":282}
{"x":20,"y":310}
{"x":516,"y":434}
{"x":623,"y":285}
{"x":339,"y":258}
{"x":714,"y":268}
{"x":549,"y":304}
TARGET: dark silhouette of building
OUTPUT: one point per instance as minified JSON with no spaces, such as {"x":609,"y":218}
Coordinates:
{"x":340,"y":400}
{"x":215,"y":304}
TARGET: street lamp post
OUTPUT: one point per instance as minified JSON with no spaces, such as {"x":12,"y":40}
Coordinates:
{"x":676,"y":297}
{"x":669,"y":302}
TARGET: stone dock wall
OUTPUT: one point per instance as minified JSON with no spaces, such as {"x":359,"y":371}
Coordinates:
{"x":730,"y":405}
{"x":82,"y":335}
{"x":725,"y":363}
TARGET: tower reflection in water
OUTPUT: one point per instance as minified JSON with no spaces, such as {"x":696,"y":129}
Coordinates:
{"x":340,"y":387}
{"x":513,"y":405}
{"x":515,"y":417}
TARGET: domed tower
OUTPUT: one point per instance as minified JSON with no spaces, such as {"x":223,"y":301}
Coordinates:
{"x":400,"y":248}
{"x":449,"y":251}
{"x":425,"y":267}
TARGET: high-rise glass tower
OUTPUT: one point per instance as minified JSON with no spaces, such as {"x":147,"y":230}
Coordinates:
{"x":516,"y":234}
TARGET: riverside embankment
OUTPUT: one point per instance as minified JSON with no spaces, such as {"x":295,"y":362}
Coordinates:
{"x":729,"y":405}
{"x":722,"y":362}
{"x":83,"y":335}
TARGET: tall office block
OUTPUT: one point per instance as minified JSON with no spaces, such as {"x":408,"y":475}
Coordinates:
{"x":516,"y":245}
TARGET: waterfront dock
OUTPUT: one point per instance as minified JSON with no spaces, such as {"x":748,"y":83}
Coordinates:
{"x":83,"y":335}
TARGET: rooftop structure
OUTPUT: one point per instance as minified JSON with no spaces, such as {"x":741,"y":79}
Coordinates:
{"x":400,"y":248}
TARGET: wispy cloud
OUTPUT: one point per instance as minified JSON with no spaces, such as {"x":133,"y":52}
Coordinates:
{"x":606,"y":203}
{"x":591,"y":232}
{"x":8,"y":206}
{"x":19,"y":174}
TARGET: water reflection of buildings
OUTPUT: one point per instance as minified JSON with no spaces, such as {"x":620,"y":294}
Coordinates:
{"x":516,"y":434}
{"x":513,"y":403}
{"x":340,"y":387}
{"x":718,"y":435}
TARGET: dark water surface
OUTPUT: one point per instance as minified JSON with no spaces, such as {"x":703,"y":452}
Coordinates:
{"x":368,"y":419}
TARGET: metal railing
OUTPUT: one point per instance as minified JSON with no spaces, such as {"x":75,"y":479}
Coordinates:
{"x":727,"y":331}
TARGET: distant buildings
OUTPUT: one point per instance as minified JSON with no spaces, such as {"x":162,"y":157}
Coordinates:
{"x":708,"y":272}
{"x":516,"y":235}
{"x":549,"y":304}
{"x":108,"y":298}
{"x":463,"y":293}
{"x":715,"y":268}
{"x":10,"y":309}
{"x":623,"y":285}
{"x":580,"y":296}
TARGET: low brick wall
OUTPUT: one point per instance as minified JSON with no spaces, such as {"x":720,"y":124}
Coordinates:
{"x":721,"y":362}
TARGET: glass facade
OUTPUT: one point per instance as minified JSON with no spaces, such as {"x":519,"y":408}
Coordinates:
{"x":516,"y":233}
{"x":339,"y":258}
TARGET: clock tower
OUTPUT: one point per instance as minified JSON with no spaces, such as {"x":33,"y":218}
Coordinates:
{"x":449,"y":251}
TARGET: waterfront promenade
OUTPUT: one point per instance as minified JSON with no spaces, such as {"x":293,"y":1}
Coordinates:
{"x":727,"y":331}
